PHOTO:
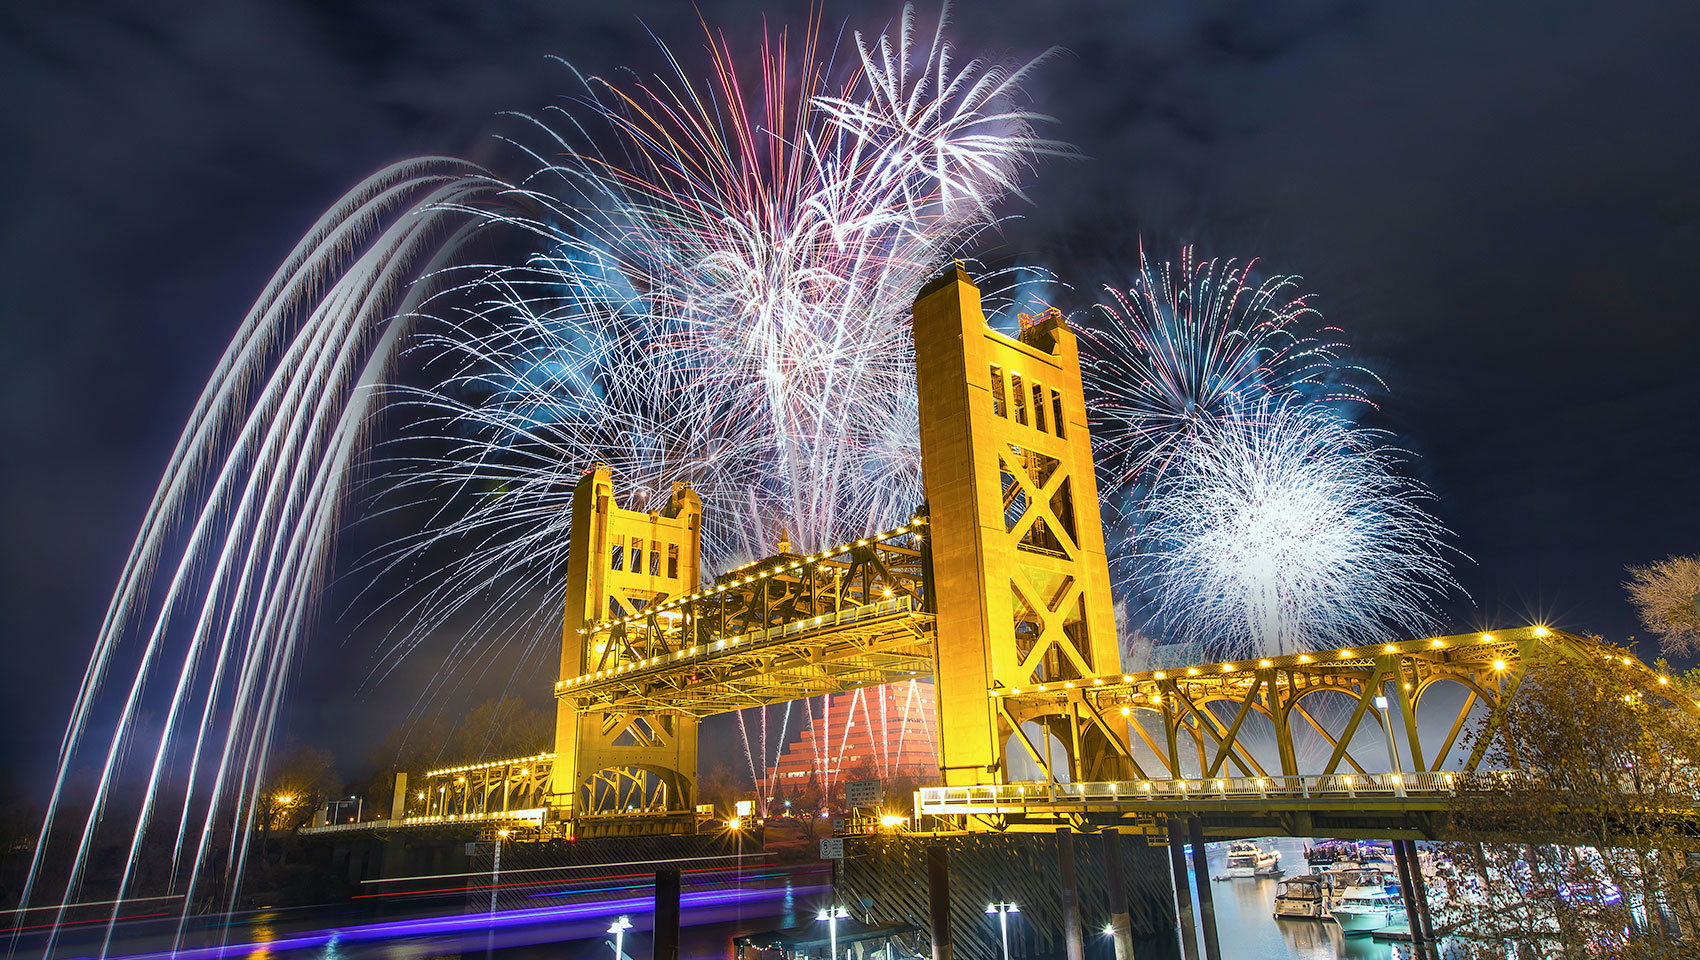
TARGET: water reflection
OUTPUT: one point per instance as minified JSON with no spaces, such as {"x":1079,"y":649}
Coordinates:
{"x":1246,"y":924}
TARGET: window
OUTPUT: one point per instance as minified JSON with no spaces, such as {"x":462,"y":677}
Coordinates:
{"x":999,"y":405}
{"x":655,"y":561}
{"x":672,"y":561}
{"x":637,"y":556}
{"x":617,"y":561}
{"x":1039,"y":407}
{"x":1056,"y":413}
{"x":1020,"y":399}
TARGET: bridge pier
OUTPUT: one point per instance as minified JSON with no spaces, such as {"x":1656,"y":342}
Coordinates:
{"x":1183,"y":890}
{"x":1116,"y":886}
{"x":1206,"y":900}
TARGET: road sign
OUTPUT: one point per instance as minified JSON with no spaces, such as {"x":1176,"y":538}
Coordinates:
{"x":837,"y":824}
{"x":863,"y":793}
{"x":832,"y":848}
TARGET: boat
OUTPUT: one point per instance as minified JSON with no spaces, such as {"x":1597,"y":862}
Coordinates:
{"x":1301,"y":897}
{"x":1367,"y":905}
{"x":1247,"y":859}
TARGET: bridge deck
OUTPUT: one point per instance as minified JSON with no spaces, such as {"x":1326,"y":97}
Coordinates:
{"x":868,"y":644}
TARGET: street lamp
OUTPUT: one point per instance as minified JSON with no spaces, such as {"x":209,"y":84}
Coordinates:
{"x":618,"y":928}
{"x":1003,"y":910}
{"x":1392,"y":751}
{"x":832,"y":915}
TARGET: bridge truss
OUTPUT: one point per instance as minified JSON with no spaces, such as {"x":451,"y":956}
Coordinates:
{"x":784,"y":628}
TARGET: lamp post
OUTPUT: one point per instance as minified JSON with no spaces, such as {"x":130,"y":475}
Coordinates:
{"x":1003,"y":910}
{"x":1392,"y":751}
{"x":832,"y":915}
{"x":618,"y":928}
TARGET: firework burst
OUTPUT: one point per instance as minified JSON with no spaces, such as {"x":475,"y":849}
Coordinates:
{"x":1285,"y":528}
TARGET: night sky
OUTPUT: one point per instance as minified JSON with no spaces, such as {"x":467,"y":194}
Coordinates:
{"x":1499,"y":203}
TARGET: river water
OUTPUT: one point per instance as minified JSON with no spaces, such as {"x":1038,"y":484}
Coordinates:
{"x":1247,"y":926}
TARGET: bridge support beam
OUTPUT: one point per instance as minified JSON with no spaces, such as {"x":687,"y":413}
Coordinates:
{"x":938,"y":899}
{"x":1115,"y":886}
{"x":1183,"y":890}
{"x":1206,"y":901}
{"x":1070,"y":894}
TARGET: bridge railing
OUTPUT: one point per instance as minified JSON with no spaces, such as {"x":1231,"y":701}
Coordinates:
{"x":1345,"y":786}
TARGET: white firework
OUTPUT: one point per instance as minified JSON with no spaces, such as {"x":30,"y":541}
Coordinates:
{"x":1289,"y":528}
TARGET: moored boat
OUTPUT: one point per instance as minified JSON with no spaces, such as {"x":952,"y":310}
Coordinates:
{"x":1367,"y":909}
{"x":1300,"y":897}
{"x":1247,"y":859}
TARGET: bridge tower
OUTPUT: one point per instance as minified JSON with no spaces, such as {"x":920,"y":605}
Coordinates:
{"x":620,"y":563}
{"x":1022,"y":588}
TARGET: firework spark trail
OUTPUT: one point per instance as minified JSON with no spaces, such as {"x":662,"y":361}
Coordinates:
{"x":1195,"y":341}
{"x":1286,"y":528}
{"x":726,"y":307}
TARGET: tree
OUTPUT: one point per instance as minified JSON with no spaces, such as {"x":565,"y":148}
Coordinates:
{"x":1666,"y":595}
{"x":301,"y":783}
{"x":1581,"y":842}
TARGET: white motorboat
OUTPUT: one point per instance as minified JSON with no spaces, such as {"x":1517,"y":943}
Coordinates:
{"x":1301,"y":897}
{"x":1367,"y":909}
{"x":1247,"y":859}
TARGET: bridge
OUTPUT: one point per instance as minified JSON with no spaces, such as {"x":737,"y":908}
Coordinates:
{"x":997,"y":591}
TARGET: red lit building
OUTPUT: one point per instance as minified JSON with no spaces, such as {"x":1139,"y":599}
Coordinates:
{"x":876,"y":732}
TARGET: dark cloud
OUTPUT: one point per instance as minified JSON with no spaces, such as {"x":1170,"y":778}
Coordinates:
{"x":1497,"y":202}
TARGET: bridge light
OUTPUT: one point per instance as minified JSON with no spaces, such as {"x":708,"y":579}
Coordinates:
{"x":1663,"y":681}
{"x":1227,"y":668}
{"x":1499,"y":664}
{"x":1160,"y":675}
{"x":1040,"y":688}
{"x":1097,"y":681}
{"x":1390,"y":648}
{"x":1145,"y":785}
{"x":1128,"y":678}
{"x":1266,"y":663}
{"x":1069,"y":684}
{"x":1626,"y":661}
{"x":1437,"y":643}
{"x":1541,"y":631}
{"x":1015,"y":690}
{"x":1192,"y":671}
{"x":1304,"y":658}
{"x":1487,"y":638}
{"x":993,"y":692}
{"x":1127,"y":711}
